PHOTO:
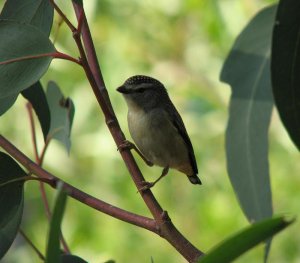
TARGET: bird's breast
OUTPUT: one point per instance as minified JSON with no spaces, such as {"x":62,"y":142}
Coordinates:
{"x":157,"y":138}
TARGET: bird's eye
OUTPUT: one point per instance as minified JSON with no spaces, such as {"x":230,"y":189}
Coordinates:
{"x":140,"y":90}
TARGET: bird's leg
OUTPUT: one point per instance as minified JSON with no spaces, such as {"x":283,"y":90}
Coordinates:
{"x":129,"y":145}
{"x":148,"y":185}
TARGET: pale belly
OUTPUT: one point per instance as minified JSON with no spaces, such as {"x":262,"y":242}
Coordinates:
{"x":158,"y":140}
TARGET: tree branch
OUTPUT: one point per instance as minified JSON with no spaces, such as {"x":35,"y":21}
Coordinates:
{"x":77,"y":194}
{"x":93,"y":72}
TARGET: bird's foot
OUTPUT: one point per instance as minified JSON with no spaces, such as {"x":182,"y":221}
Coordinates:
{"x":129,"y":145}
{"x":146,"y":186}
{"x":125,"y":145}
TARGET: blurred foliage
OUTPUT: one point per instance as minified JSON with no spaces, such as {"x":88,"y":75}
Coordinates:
{"x":183,"y":44}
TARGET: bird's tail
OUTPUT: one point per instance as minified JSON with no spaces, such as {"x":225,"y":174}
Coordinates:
{"x":194,"y":179}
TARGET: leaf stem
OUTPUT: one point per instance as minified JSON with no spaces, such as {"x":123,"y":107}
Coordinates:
{"x":56,"y":54}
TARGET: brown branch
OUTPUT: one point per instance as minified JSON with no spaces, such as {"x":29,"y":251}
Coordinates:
{"x":77,"y":194}
{"x":111,"y":119}
{"x":92,"y":69}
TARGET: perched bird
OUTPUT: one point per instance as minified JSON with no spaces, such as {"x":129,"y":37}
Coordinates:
{"x":157,"y":128}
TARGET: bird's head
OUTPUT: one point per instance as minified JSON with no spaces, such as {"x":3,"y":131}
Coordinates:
{"x":143,"y":91}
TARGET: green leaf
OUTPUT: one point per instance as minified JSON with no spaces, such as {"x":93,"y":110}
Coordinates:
{"x":53,"y":254}
{"x":71,"y":259}
{"x":234,"y":246}
{"x":11,"y":201}
{"x":246,"y":69}
{"x":38,"y":13}
{"x":286,"y":67}
{"x":62,"y":113}
{"x":37,"y":97}
{"x":7,"y":102}
{"x":18,"y":41}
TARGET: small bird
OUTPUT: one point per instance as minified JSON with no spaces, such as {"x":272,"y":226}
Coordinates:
{"x":157,"y":128}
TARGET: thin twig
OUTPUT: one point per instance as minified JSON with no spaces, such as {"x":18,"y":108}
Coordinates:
{"x":38,"y":160}
{"x":33,"y":132}
{"x":40,"y":255}
{"x":63,"y":16}
{"x":42,"y":156}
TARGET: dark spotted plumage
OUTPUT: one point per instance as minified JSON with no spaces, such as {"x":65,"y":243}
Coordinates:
{"x":140,"y":79}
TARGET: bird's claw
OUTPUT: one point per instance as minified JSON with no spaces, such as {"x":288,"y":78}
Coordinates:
{"x":129,"y":145}
{"x":146,"y":186}
{"x":125,"y":145}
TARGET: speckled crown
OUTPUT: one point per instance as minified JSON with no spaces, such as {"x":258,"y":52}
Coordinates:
{"x":139,"y":79}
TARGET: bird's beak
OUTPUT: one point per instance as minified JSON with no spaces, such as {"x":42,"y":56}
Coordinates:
{"x":122,"y":89}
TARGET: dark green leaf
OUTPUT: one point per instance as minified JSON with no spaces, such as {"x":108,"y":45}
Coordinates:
{"x":18,"y":41}
{"x":11,"y":201}
{"x":71,"y":259}
{"x":62,"y":113}
{"x":53,"y":254}
{"x":247,"y":70}
{"x":6,"y":103}
{"x":251,"y":236}
{"x":286,"y":67}
{"x":37,"y":97}
{"x":38,"y":13}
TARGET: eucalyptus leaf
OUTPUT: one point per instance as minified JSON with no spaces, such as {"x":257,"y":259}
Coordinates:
{"x":71,"y":259}
{"x":38,"y":13}
{"x":286,"y":67}
{"x":20,"y":41}
{"x":62,"y":113}
{"x":7,"y":102}
{"x":11,"y":201}
{"x":37,"y":97}
{"x":247,"y":70}
{"x":234,"y":246}
{"x":53,"y":254}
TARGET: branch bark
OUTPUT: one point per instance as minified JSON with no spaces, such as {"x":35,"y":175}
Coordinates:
{"x":75,"y":193}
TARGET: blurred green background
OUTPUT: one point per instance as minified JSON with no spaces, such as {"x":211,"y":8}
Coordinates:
{"x":183,"y":44}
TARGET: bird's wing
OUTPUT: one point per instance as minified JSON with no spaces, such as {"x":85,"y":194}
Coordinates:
{"x":179,"y":125}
